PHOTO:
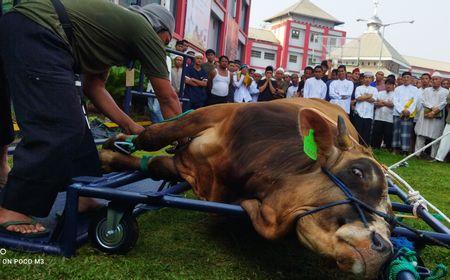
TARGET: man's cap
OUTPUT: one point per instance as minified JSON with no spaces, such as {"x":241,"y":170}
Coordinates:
{"x":356,"y":70}
{"x":158,"y":16}
{"x":198,"y":55}
{"x":436,"y":74}
{"x":368,"y":74}
{"x":280,"y":69}
{"x":244,"y":66}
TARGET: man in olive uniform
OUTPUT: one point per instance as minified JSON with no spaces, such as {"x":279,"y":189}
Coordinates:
{"x":38,"y":66}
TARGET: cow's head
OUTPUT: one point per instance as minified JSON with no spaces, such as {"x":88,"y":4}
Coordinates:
{"x":339,"y":232}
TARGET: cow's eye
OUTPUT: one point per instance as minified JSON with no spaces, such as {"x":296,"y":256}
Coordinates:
{"x":357,"y":172}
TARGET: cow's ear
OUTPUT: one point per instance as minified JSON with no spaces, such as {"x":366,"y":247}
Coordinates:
{"x":315,"y":131}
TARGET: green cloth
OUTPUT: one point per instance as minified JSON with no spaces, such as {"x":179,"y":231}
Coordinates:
{"x":106,"y":34}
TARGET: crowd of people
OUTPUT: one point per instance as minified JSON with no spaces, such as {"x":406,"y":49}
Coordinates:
{"x":400,"y":114}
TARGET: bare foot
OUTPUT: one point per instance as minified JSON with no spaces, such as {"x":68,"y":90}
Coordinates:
{"x":8,"y":216}
{"x":87,"y":203}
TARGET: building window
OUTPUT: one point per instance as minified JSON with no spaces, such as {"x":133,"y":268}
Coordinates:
{"x":232,"y":8}
{"x":173,"y":9}
{"x":295,"y":34}
{"x":256,"y":54}
{"x":127,"y":3}
{"x":292,"y":58}
{"x":333,"y":41}
{"x":310,"y":60}
{"x":314,"y":38}
{"x":240,"y":52}
{"x":214,"y":32}
{"x":146,"y":2}
{"x":243,"y":15}
{"x":269,"y":56}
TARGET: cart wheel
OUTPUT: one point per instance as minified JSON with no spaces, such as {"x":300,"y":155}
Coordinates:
{"x":120,"y":241}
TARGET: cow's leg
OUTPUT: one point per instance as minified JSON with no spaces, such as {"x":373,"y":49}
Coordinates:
{"x":159,"y":168}
{"x":163,"y":168}
{"x":160,"y":135}
{"x":265,"y":219}
{"x":114,"y":161}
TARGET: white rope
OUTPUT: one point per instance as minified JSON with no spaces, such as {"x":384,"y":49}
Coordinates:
{"x":419,"y":200}
{"x":414,"y":197}
{"x":395,"y":165}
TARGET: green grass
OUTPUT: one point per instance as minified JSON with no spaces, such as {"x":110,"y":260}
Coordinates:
{"x":181,"y":244}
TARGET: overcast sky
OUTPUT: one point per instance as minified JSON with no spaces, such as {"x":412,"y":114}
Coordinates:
{"x":428,"y":37}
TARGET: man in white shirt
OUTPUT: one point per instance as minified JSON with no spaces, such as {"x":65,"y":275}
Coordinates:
{"x":341,"y":90}
{"x":242,"y":93}
{"x":219,"y":82}
{"x":444,"y":146}
{"x":315,"y":87}
{"x":383,"y":120}
{"x":430,"y":123}
{"x":293,"y":89}
{"x":405,"y":101}
{"x":175,"y":74}
{"x":365,"y":96}
{"x":254,"y":90}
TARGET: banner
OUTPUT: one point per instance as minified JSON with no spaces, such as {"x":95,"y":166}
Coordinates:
{"x":198,"y":14}
{"x":231,"y":44}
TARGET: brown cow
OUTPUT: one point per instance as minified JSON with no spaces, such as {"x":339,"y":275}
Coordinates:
{"x":252,"y":154}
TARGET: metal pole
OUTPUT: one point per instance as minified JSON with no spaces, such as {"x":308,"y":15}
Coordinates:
{"x":381,"y":48}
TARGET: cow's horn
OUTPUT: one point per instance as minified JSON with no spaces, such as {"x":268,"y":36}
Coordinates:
{"x":343,"y":138}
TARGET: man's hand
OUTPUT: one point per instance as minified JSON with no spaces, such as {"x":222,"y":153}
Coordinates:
{"x":133,"y":128}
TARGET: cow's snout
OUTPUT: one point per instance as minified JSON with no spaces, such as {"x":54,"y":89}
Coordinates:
{"x":380,"y":244}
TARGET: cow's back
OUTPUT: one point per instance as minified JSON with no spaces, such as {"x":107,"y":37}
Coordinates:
{"x":257,"y":145}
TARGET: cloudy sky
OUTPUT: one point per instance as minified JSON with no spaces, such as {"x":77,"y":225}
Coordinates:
{"x":428,"y":37}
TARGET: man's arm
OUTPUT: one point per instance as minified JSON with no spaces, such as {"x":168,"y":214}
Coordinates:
{"x":333,"y":93}
{"x":307,"y":92}
{"x":271,"y":87}
{"x":211,"y":76}
{"x":168,"y":99}
{"x":94,"y":89}
{"x":264,"y":86}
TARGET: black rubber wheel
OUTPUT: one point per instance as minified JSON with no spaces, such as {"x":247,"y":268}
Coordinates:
{"x":120,"y":241}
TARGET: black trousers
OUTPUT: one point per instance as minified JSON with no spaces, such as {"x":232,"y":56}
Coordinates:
{"x":6,"y":126}
{"x":56,"y":143}
{"x":382,"y":132}
{"x":363,"y":126}
{"x":214,"y":99}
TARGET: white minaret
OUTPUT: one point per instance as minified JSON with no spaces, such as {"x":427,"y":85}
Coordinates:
{"x":374,"y":23}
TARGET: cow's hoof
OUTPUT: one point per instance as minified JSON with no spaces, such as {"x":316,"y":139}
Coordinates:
{"x":109,"y":144}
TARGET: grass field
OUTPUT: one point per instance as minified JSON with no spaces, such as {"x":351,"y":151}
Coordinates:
{"x":180,"y":244}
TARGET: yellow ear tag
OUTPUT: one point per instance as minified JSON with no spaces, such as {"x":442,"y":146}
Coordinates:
{"x":309,"y":145}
